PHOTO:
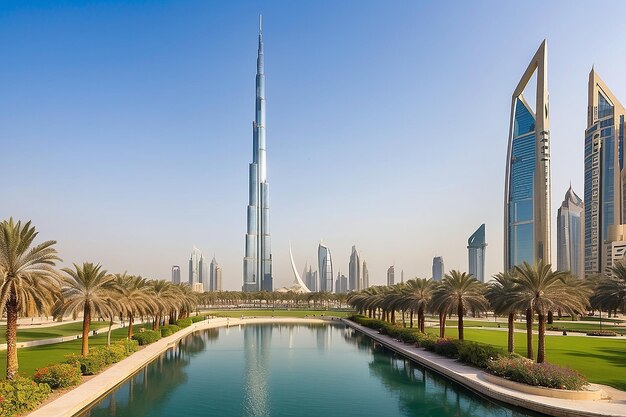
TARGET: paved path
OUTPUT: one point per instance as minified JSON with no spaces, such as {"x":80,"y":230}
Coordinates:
{"x":473,"y":379}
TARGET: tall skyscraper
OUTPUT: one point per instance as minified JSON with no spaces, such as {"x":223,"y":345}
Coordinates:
{"x":204,"y":273}
{"x":325,"y":263}
{"x":355,"y":282}
{"x":176,"y":274}
{"x":194,"y":266}
{"x":604,"y":171}
{"x":476,"y":247}
{"x":527,"y":184}
{"x":341,"y":283}
{"x":215,"y":276}
{"x":257,"y":263}
{"x":366,"y":276}
{"x":569,"y":235}
{"x":310,"y":279}
{"x":391,"y":280}
{"x":438,"y":268}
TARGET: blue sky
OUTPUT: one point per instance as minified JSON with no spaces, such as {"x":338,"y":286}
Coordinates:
{"x":125,"y":126}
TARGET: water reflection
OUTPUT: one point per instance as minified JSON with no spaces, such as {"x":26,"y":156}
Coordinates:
{"x":256,"y":340}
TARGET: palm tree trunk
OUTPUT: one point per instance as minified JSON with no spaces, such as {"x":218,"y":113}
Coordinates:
{"x":529,"y":334}
{"x":109,"y":332}
{"x":130,"y":326}
{"x":86,"y":322}
{"x":541,"y":348}
{"x":11,"y":335}
{"x":411,"y":318}
{"x":511,"y":344}
{"x":459,"y":312}
{"x":442,"y":324}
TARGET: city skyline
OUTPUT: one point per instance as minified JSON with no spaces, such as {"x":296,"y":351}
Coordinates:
{"x":146,"y":127}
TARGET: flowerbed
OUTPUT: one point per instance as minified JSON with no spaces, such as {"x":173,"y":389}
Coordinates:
{"x":60,"y":375}
{"x":519,"y":369}
{"x":608,"y":333}
{"x":21,"y":395}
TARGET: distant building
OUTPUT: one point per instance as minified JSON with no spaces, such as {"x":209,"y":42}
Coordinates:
{"x":341,"y":284}
{"x":366,"y":276}
{"x":615,"y":247}
{"x":197,"y":287}
{"x":438,"y":268}
{"x":570,"y":247}
{"x":194,"y":266}
{"x":325,"y":263}
{"x":402,"y":276}
{"x":310,"y":279}
{"x":476,"y":247}
{"x":390,"y":275}
{"x":215,"y":276}
{"x":356,"y":279}
{"x":176,"y":274}
{"x":204,"y":273}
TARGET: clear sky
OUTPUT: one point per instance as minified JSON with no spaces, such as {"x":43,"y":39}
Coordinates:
{"x":126,"y":126}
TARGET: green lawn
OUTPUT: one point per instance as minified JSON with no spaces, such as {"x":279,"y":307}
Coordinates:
{"x":34,"y":333}
{"x":278,"y":313}
{"x":38,"y":356}
{"x":601,"y":360}
{"x":576,"y":326}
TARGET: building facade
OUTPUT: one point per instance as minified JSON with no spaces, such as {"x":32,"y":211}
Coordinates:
{"x":615,"y":248}
{"x":325,"y":264}
{"x":176,"y":274}
{"x":366,"y":276}
{"x":215,"y":276}
{"x":341,"y":284}
{"x":438,"y":268}
{"x":527,"y":183}
{"x":391,"y":280}
{"x":194,"y":266}
{"x":476,"y":247}
{"x":355,"y":282}
{"x":604,"y":171}
{"x":204,"y":273}
{"x":257,"y":262}
{"x":570,"y":246}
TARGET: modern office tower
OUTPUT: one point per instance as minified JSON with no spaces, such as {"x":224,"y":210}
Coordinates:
{"x":604,"y":171}
{"x":325,"y":264}
{"x":194,"y":266}
{"x":257,"y":262}
{"x":215,"y":276}
{"x":527,"y":183}
{"x":366,"y":276}
{"x":354,"y":272}
{"x":615,"y":248}
{"x":476,"y":247}
{"x":341,"y":284}
{"x":390,"y":275}
{"x":176,"y":274}
{"x":402,"y":276}
{"x":204,"y":273}
{"x":569,"y":235}
{"x":438,"y":268}
{"x":310,"y":279}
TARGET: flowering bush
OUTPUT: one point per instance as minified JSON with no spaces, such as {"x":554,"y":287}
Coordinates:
{"x":21,"y":395}
{"x":102,"y":356}
{"x":89,"y":365}
{"x":601,"y":333}
{"x":60,"y":375}
{"x":526,"y":371}
{"x":447,"y":347}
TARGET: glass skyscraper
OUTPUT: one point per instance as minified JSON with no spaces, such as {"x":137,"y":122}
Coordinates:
{"x":569,"y":234}
{"x":391,"y":279}
{"x":438,"y":269}
{"x":604,"y":171}
{"x":527,"y":183}
{"x":325,"y":264}
{"x":194,"y":266}
{"x":176,"y":274}
{"x":257,"y":262}
{"x":355,"y":282}
{"x":476,"y":247}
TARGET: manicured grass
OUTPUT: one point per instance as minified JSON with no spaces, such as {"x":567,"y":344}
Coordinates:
{"x":35,"y":333}
{"x":576,"y":326}
{"x":35,"y":357}
{"x":601,"y":360}
{"x":278,"y":313}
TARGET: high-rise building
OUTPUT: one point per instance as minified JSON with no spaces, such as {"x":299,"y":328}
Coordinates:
{"x":366,"y":276}
{"x":604,"y":171}
{"x":355,"y":282}
{"x":310,"y":279}
{"x":438,"y":268}
{"x":527,"y":184}
{"x":215,"y":276}
{"x":194,"y":266}
{"x":615,"y":248}
{"x":257,"y":262}
{"x":325,"y":270}
{"x":476,"y":247}
{"x":176,"y":274}
{"x":204,"y":273}
{"x":569,"y":234}
{"x":402,"y":276}
{"x":341,"y":284}
{"x":390,"y":275}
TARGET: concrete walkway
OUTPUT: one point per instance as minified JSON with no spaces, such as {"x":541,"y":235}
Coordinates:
{"x":473,"y":378}
{"x":74,"y":401}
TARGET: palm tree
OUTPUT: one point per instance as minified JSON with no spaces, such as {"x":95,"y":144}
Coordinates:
{"x":135,"y":298}
{"x":87,"y":288}
{"x":28,"y":280}
{"x":417,"y":294}
{"x":539,"y":290}
{"x":460,"y":291}
{"x":500,"y":294}
{"x":165,"y":295}
{"x":610,"y":291}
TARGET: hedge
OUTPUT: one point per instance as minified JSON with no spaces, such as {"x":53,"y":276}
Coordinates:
{"x":182,"y":323}
{"x":102,"y":356}
{"x":196,"y":319}
{"x":21,"y":395}
{"x":169,"y":330}
{"x":60,"y":375}
{"x":147,"y":337}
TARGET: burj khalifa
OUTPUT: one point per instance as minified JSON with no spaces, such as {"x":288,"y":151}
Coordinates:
{"x":257,"y":262}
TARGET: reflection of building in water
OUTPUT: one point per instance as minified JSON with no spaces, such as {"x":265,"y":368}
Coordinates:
{"x":256,"y":341}
{"x":323,"y":334}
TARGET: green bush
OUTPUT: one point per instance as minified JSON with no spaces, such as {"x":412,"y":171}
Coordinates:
{"x":196,"y":319}
{"x":21,"y":395}
{"x":89,"y":365}
{"x":526,"y":371}
{"x":129,"y":345}
{"x":169,"y":330}
{"x":61,"y":375}
{"x":601,"y":333}
{"x":147,"y":337}
{"x":477,"y":354}
{"x":182,"y":323}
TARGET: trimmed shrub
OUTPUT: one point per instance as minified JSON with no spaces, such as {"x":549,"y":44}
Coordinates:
{"x":601,"y":333}
{"x":447,"y":347}
{"x":61,"y":375}
{"x":182,"y":323}
{"x":196,"y":319}
{"x":147,"y":337}
{"x":129,"y":345}
{"x":477,"y":354}
{"x":89,"y":365}
{"x":526,"y":371}
{"x":21,"y":395}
